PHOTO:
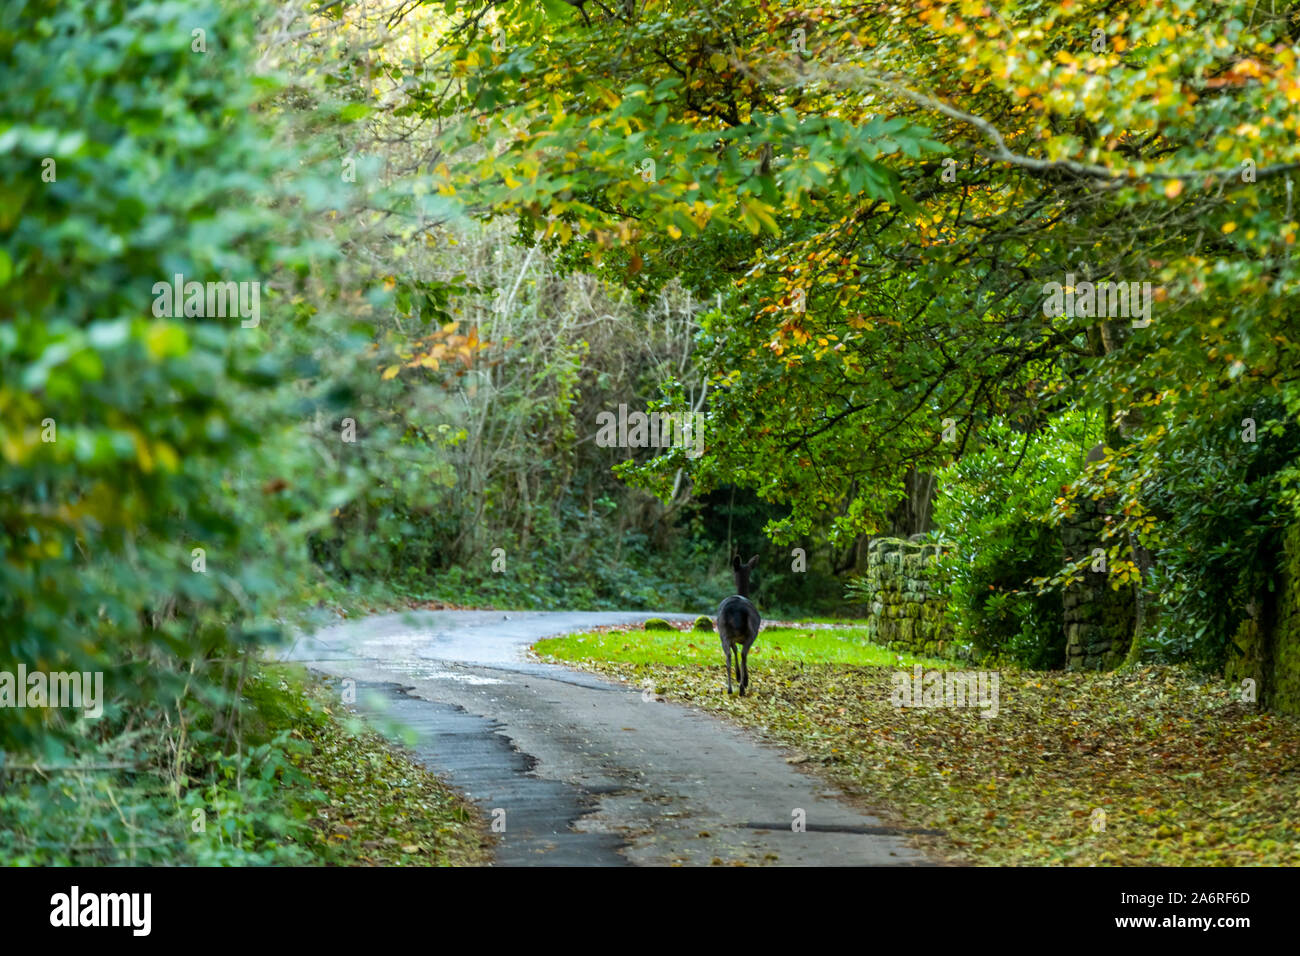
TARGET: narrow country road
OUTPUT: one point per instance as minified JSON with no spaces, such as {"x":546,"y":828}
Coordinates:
{"x":582,"y":771}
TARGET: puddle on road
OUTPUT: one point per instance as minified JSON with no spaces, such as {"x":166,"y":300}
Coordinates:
{"x":427,"y":670}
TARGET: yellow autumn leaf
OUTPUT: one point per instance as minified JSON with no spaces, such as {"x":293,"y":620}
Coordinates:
{"x":165,"y":339}
{"x":167,"y":457}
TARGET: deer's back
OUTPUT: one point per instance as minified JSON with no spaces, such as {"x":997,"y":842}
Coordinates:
{"x":738,"y":618}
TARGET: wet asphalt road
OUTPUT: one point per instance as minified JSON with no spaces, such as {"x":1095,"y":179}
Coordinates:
{"x":579,"y":770}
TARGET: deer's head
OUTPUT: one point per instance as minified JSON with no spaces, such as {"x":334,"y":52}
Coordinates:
{"x":741,"y":572}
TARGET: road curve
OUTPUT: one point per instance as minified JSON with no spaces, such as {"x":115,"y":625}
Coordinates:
{"x":579,"y":770}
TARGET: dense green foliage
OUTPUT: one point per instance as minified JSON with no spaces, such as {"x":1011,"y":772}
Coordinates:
{"x":993,"y":507}
{"x":154,"y":424}
{"x":313,"y":787}
{"x":891,"y":306}
{"x":488,"y":485}
{"x":158,"y":483}
{"x":1224,"y":502}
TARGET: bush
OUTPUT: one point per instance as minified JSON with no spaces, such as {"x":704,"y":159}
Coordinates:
{"x":658,"y":624}
{"x":1224,"y":513}
{"x":991,"y":511}
{"x":703,"y":623}
{"x":155,"y":485}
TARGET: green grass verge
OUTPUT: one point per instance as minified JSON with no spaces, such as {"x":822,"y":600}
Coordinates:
{"x":1151,"y":766}
{"x":689,"y":648}
{"x":294,"y":780}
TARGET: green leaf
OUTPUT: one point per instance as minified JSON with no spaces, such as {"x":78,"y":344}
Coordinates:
{"x":556,"y":9}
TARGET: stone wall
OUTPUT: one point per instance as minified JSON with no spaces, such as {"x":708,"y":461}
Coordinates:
{"x":906,"y":611}
{"x":1269,"y":640}
{"x":1098,"y":619}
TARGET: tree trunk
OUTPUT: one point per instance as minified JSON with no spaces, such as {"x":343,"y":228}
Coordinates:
{"x":1112,"y":336}
{"x":913,"y":514}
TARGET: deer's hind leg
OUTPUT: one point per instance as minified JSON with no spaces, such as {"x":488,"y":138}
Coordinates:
{"x":744,"y":681}
{"x":726,"y":662}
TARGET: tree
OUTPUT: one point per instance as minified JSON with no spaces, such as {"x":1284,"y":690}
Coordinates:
{"x":921,"y":183}
{"x":156,"y":485}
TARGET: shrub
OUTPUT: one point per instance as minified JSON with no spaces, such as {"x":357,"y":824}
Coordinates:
{"x":991,"y":510}
{"x":156,"y":484}
{"x":1223,"y":510}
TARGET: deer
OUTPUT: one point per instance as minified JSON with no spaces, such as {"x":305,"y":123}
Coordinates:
{"x":738,"y":623}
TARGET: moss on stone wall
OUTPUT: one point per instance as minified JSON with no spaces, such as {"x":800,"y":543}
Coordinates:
{"x":1269,"y":639}
{"x":906,"y":609}
{"x":1098,"y":618}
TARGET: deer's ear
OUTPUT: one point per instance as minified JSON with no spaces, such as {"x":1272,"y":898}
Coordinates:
{"x":735,"y":562}
{"x":752,"y":561}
